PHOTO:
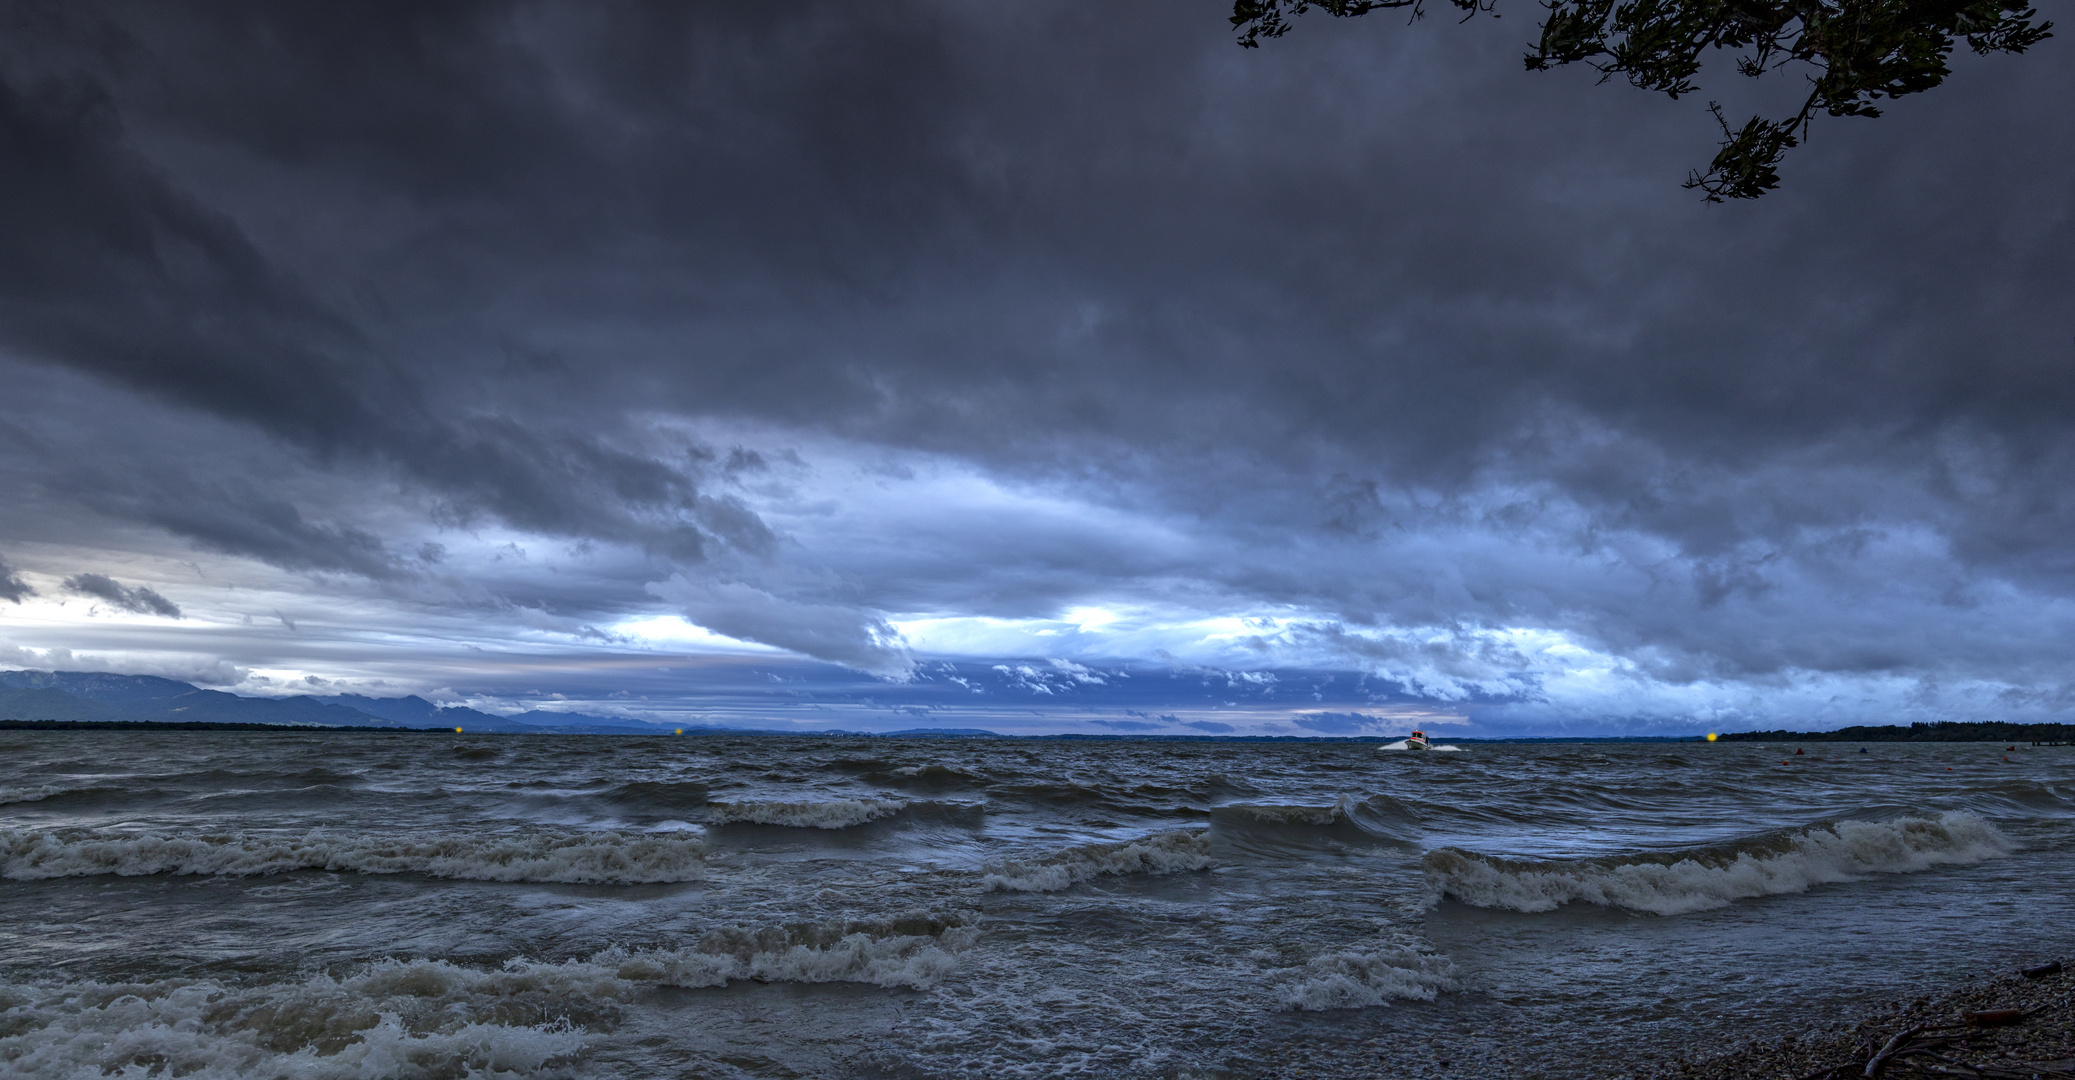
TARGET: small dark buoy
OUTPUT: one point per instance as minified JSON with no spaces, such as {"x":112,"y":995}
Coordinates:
{"x":1862,"y":749}
{"x":1799,"y":751}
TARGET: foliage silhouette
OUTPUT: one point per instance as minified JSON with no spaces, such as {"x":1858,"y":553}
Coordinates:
{"x":1854,"y":52}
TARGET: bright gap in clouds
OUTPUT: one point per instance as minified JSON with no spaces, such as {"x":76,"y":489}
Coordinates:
{"x":675,"y":633}
{"x":1493,"y":606}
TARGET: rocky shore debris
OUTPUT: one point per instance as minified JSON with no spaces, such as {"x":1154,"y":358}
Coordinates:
{"x":2016,"y":1027}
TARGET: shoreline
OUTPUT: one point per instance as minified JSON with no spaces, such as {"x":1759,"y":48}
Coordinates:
{"x":1926,"y":1037}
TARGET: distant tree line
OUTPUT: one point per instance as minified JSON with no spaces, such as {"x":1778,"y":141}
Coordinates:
{"x":1942,"y":731}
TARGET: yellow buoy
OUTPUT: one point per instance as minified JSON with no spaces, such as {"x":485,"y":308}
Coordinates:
{"x":457,"y":731}
{"x":680,"y":731}
{"x":1711,"y":736}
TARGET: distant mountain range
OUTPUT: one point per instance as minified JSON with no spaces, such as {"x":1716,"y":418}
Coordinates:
{"x":84,"y":696}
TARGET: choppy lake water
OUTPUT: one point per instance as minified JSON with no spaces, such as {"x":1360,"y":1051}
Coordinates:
{"x":240,"y":904}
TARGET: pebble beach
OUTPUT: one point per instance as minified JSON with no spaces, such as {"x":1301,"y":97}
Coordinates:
{"x":1966,"y":1032}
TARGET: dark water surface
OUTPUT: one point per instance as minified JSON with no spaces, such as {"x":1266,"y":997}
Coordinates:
{"x":238,"y":904}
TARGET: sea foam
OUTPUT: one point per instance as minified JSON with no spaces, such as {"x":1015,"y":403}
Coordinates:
{"x":915,"y":954}
{"x":425,"y":1019}
{"x":316,"y":1028}
{"x":11,"y":795}
{"x":1159,"y":853}
{"x":531,"y":855}
{"x":1360,"y":978}
{"x":1697,"y":879}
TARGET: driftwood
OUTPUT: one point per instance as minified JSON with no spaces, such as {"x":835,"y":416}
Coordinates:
{"x":1879,"y":1061}
{"x":1922,"y":1040}
{"x":1961,"y":1036}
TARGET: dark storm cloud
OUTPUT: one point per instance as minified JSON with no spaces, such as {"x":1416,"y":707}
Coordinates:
{"x":12,"y":587}
{"x":236,"y":517}
{"x":907,"y":217}
{"x":113,"y":269}
{"x":138,"y":599}
{"x":1315,"y":302}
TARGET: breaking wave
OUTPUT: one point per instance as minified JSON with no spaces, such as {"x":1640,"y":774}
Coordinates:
{"x":425,"y":1019}
{"x":1249,"y":814}
{"x":1358,"y":979}
{"x":1378,"y":816}
{"x":656,"y":796}
{"x":915,"y":952}
{"x":539,"y":856}
{"x":833,"y":814}
{"x":410,"y":1021}
{"x":1160,"y":853}
{"x":925,"y":778}
{"x":11,"y":795}
{"x":1713,"y":876}
{"x":824,"y":814}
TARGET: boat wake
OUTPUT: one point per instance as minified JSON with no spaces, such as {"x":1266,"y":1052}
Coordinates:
{"x":1406,"y":744}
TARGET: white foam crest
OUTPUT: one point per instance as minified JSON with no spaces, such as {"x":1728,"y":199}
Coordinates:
{"x":12,"y":795}
{"x":1406,"y":744}
{"x":829,"y":814}
{"x":539,"y":855}
{"x":915,"y":952}
{"x":410,"y":1019}
{"x":1359,"y":979}
{"x":1345,"y":808}
{"x":1159,"y":853}
{"x":914,"y":961}
{"x":317,"y":1029}
{"x":933,"y":772}
{"x":1717,"y":877}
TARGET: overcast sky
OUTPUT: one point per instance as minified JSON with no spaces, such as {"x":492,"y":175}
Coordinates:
{"x":794,"y":359}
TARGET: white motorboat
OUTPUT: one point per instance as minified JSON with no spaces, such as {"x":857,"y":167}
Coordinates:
{"x":1418,"y":741}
